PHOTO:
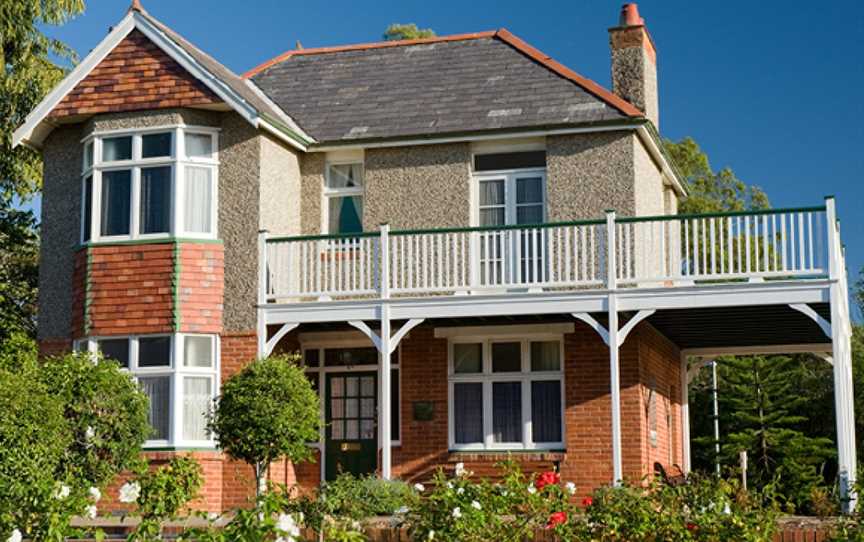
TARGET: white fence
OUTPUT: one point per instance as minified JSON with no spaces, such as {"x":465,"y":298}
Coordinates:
{"x":616,"y":252}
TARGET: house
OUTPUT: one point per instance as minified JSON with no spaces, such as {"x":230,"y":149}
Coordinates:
{"x":475,"y":249}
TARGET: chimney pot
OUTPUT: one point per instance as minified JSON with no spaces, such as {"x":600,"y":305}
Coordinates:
{"x":630,"y":16}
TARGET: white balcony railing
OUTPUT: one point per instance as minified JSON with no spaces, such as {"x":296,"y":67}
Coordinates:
{"x":615,"y":252}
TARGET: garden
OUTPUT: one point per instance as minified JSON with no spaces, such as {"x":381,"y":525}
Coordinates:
{"x":70,"y":425}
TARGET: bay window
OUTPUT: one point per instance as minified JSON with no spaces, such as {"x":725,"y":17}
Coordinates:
{"x":506,"y":393}
{"x":152,"y":183}
{"x":178,"y":373}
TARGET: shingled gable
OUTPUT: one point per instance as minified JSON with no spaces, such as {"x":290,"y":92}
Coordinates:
{"x":143,"y":65}
{"x":419,"y":88}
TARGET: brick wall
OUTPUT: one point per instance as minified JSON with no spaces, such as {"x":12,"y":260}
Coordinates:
{"x":54,"y":347}
{"x":131,"y":289}
{"x":136,"y":75}
{"x":202,"y":285}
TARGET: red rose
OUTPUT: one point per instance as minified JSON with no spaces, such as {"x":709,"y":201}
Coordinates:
{"x":587,"y":501}
{"x":692,"y":527}
{"x":557,"y":518}
{"x":547,"y":478}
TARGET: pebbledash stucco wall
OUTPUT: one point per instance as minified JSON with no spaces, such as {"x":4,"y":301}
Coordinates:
{"x":59,"y":230}
{"x":280,"y":188}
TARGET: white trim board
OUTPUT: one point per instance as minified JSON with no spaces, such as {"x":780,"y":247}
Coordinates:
{"x":36,"y":126}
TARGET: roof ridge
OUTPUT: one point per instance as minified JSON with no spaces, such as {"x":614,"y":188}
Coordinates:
{"x":369,"y":45}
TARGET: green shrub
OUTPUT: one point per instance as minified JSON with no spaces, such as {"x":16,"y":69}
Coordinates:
{"x":359,"y":498}
{"x":106,"y":412}
{"x":266,"y":412}
{"x":163,"y":493}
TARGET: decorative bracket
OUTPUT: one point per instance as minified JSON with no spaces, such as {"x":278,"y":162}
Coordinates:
{"x":274,"y":340}
{"x":808,"y":311}
{"x":622,"y":333}
{"x":394,"y":340}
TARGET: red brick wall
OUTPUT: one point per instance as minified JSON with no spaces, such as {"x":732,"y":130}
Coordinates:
{"x":136,"y":75}
{"x":202,"y":285}
{"x":131,"y":289}
{"x":54,"y":347}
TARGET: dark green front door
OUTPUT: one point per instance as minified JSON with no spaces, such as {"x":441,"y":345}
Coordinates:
{"x":352,"y":429}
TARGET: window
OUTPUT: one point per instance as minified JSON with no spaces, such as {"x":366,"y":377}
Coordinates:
{"x":320,"y":361}
{"x":506,"y":394}
{"x":343,"y":195}
{"x":178,"y":374}
{"x":151,"y":183}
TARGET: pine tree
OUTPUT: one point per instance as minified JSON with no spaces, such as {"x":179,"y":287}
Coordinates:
{"x":762,"y":411}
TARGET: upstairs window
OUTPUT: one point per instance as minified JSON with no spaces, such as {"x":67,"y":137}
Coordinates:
{"x":148,"y":184}
{"x":343,"y":196}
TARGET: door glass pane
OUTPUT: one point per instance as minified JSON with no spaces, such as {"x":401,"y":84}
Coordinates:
{"x":337,"y":430}
{"x":545,"y":356}
{"x":155,"y":199}
{"x":467,"y":358}
{"x":468,"y":412}
{"x":337,"y":408}
{"x":337,"y":387}
{"x":507,"y":411}
{"x":492,"y":216}
{"x":198,"y":145}
{"x":351,"y":386}
{"x":335,"y":357}
{"x":196,"y":402}
{"x":351,"y":408}
{"x":197,"y":199}
{"x":345,"y":176}
{"x":154,"y":352}
{"x":529,"y":214}
{"x":367,"y":386}
{"x":153,"y":145}
{"x":116,"y":349}
{"x":367,"y":408}
{"x":116,"y":148}
{"x":346,"y":215}
{"x":88,"y":206}
{"x":492,"y":192}
{"x":197,"y":351}
{"x":529,"y":190}
{"x":367,"y":429}
{"x":116,"y":191}
{"x":546,"y":411}
{"x":506,"y":357}
{"x":352,"y":429}
{"x":158,"y":389}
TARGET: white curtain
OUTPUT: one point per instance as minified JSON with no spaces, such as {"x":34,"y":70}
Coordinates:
{"x":197,"y":197}
{"x":158,"y":389}
{"x":197,"y":351}
{"x":196,"y":402}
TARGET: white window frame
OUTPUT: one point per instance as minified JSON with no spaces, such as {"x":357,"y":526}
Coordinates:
{"x":328,"y":193}
{"x":486,"y":377}
{"x":510,"y":206}
{"x":176,"y":370}
{"x":177,"y":161}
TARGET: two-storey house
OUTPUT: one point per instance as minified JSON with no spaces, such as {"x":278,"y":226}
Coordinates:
{"x":475,"y":249}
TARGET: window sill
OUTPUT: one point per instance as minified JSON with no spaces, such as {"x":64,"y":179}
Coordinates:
{"x":503,"y":455}
{"x":150,"y":241}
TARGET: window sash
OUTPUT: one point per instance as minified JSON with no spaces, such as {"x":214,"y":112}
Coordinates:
{"x":493,"y":436}
{"x":491,"y":212}
{"x":339,"y":199}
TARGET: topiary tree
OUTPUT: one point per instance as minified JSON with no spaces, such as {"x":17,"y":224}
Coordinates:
{"x":106,"y":413}
{"x":266,"y":412}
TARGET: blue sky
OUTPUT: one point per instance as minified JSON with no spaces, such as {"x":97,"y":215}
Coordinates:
{"x":771,"y":88}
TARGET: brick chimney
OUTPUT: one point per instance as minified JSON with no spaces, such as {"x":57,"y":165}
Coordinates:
{"x":634,"y":63}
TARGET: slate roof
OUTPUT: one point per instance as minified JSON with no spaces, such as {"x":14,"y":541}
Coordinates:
{"x":455,"y":84}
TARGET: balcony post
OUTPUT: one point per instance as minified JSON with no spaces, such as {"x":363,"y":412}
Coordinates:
{"x":384,"y":352}
{"x":262,"y":293}
{"x":841,"y":353}
{"x":614,"y":367}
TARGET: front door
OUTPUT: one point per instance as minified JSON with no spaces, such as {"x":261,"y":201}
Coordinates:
{"x":351,"y":443}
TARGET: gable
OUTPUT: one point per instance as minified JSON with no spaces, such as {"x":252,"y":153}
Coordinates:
{"x":135,"y":75}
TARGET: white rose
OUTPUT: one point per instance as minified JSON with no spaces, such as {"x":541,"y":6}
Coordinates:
{"x":726,"y":509}
{"x":476,"y":505}
{"x":91,"y":511}
{"x":420,"y":488}
{"x":431,"y":535}
{"x":532,"y":490}
{"x":129,"y":492}
{"x":288,"y":526}
{"x":15,"y":536}
{"x":457,"y":513}
{"x":95,"y":494}
{"x":460,"y":491}
{"x":571,"y":488}
{"x":62,"y":492}
{"x":460,"y":469}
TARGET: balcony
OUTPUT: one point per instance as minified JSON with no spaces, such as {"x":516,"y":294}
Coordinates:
{"x":618,"y":252}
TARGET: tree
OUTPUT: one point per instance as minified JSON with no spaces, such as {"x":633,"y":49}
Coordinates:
{"x":710,"y":191}
{"x":266,"y":412}
{"x":19,"y":271}
{"x":398,"y":31}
